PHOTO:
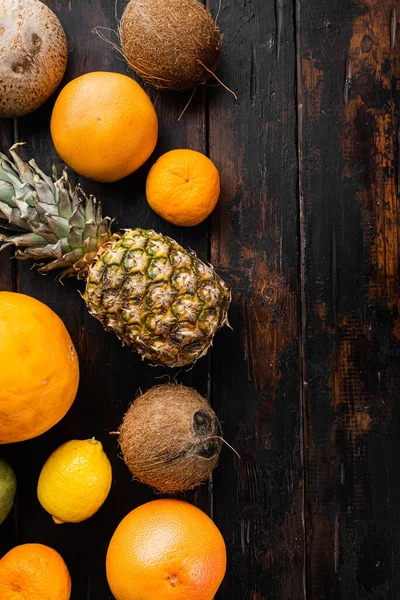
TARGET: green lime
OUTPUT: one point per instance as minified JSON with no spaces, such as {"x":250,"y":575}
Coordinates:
{"x":8,"y":487}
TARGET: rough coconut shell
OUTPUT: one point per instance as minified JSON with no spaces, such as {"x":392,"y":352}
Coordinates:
{"x":33,"y":55}
{"x":172,"y":44}
{"x":168,"y":438}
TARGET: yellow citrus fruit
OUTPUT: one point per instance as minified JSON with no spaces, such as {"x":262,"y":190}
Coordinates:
{"x":38,"y":366}
{"x":34,"y":572}
{"x":75,"y":481}
{"x":104,"y":125}
{"x":166,"y":549}
{"x":183,"y":187}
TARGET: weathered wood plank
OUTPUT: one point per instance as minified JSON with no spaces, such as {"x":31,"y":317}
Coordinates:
{"x":258,"y":499}
{"x":348,"y":99}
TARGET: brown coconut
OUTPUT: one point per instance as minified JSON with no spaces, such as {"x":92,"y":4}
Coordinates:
{"x":33,"y":55}
{"x":169,"y":438}
{"x":173,"y":45}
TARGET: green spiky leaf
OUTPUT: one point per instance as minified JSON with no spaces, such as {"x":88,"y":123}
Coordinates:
{"x":65,"y":226}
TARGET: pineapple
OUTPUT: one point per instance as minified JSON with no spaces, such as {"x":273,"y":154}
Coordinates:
{"x":157,"y":297}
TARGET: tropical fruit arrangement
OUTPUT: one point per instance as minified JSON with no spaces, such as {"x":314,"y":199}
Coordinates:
{"x":156,"y":296}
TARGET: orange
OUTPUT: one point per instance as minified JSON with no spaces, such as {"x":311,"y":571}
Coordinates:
{"x":39,"y":369}
{"x":183,"y":187}
{"x":34,"y":572}
{"x":166,"y":550}
{"x":104,"y":125}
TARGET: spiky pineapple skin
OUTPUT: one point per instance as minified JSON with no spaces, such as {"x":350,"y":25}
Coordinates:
{"x":157,"y":297}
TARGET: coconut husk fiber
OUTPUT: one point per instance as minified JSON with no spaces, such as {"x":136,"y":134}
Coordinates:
{"x":171,"y":44}
{"x":170,"y":438}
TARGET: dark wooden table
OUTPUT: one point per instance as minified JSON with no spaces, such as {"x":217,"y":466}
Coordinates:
{"x":306,"y":233}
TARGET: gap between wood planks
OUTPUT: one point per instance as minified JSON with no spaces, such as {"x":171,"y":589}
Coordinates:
{"x":303,"y":301}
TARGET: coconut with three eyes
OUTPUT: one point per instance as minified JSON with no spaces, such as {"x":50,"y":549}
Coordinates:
{"x":170,"y":438}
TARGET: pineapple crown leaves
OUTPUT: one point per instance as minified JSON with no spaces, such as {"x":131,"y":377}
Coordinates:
{"x":51,"y":220}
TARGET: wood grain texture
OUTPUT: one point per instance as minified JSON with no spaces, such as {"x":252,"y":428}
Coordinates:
{"x":348,"y":99}
{"x":258,"y":499}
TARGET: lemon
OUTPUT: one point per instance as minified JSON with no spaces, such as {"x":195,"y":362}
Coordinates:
{"x":8,"y":487}
{"x":75,"y":481}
